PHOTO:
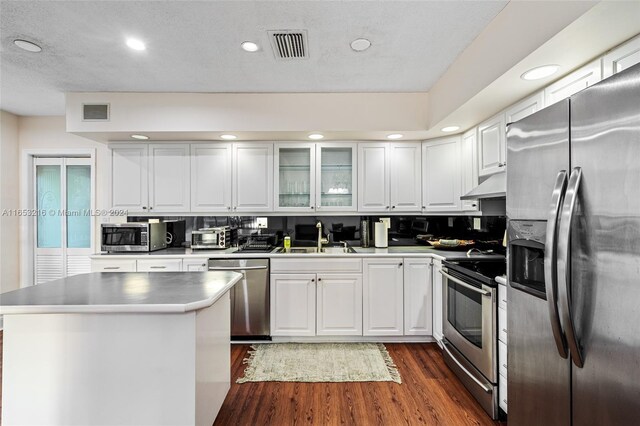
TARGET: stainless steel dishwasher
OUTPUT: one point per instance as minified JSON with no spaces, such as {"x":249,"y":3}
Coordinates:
{"x":249,"y":297}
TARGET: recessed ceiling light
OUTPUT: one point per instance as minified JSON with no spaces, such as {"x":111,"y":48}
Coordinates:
{"x":140,"y":137}
{"x":250,"y":46}
{"x":136,"y":44}
{"x":360,"y":44}
{"x":228,"y":137}
{"x":27,"y":45}
{"x":315,"y":136}
{"x":395,"y":136}
{"x":450,"y":128}
{"x":540,"y":72}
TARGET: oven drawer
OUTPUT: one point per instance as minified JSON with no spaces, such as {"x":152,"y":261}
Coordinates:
{"x":502,"y":358}
{"x":502,"y":325}
{"x":502,"y":297}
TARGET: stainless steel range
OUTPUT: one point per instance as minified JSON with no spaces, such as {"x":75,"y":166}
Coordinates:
{"x":470,"y":326}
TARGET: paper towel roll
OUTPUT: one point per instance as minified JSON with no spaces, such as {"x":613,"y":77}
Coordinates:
{"x":380,"y":235}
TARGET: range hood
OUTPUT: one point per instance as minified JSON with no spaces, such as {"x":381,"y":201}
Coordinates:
{"x":495,"y":186}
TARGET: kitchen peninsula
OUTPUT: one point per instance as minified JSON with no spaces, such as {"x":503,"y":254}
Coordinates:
{"x":118,"y":348}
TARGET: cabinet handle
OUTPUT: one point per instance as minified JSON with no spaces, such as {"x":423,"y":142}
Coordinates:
{"x":504,"y":365}
{"x":504,"y":329}
{"x":311,"y":207}
{"x":150,"y":208}
{"x":313,"y":280}
{"x":424,"y":207}
{"x":474,"y":205}
{"x":158,"y":267}
{"x":204,"y":264}
{"x":319,"y":279}
{"x":399,"y":264}
{"x":228,"y":207}
{"x":387,"y":207}
{"x":393,"y":207}
{"x":144,"y":207}
{"x":111,"y":267}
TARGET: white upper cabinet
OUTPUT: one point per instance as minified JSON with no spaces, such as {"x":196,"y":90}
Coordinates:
{"x":336,"y":176}
{"x":492,"y":148}
{"x":211,"y":177}
{"x":294,"y":180}
{"x":469,"y":168}
{"x":441,"y":179}
{"x":373,"y":177}
{"x":383,"y":303}
{"x":252,"y":177}
{"x":129,"y":185}
{"x":524,"y":108}
{"x":405,"y":176}
{"x":621,"y":58}
{"x":169,"y":178}
{"x":578,"y":80}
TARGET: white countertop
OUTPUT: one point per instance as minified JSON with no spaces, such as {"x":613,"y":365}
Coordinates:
{"x":109,"y":292}
{"x":393,"y":251}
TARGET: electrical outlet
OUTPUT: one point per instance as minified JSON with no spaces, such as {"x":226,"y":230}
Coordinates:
{"x":477,"y":223}
{"x":262,"y":222}
{"x":387,"y":221}
{"x":450,"y":222}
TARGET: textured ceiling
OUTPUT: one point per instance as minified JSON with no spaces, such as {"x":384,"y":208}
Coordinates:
{"x":194,"y":46}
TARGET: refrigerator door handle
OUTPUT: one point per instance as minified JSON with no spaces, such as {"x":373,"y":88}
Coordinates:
{"x":550,"y":259}
{"x":564,"y":239}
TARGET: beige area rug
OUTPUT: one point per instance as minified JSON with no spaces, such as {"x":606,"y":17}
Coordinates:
{"x":320,"y":362}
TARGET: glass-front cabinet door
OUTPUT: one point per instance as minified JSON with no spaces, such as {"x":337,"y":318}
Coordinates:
{"x":336,"y":177}
{"x":295,"y":177}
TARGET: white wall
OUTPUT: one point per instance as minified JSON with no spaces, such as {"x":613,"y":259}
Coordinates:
{"x":9,"y":250}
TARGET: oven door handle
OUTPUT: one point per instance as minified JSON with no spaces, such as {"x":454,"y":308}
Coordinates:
{"x":463,"y":284}
{"x":484,"y":387}
{"x":551,"y":259}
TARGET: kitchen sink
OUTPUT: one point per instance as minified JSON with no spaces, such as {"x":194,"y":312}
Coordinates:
{"x":311,"y":250}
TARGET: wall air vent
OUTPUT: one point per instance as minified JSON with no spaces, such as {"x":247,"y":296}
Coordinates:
{"x":95,"y":112}
{"x":289,"y":44}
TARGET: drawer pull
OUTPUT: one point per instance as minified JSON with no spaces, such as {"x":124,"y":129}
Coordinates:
{"x":158,"y":267}
{"x":111,"y":267}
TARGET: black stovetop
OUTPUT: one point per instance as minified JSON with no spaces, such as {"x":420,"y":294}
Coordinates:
{"x":483,"y":270}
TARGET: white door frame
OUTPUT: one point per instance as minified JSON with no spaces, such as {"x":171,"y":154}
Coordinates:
{"x":27,"y":203}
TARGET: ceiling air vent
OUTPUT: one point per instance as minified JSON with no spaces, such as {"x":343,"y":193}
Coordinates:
{"x":289,"y":44}
{"x":95,"y":112}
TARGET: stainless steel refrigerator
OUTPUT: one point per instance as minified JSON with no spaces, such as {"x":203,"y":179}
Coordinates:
{"x":573,"y":208}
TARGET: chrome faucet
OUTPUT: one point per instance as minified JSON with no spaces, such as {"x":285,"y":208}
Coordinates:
{"x":321,"y":240}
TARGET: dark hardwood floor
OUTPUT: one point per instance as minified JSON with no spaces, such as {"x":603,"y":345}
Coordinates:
{"x":429,"y":395}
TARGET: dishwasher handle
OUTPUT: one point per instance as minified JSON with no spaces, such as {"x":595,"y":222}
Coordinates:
{"x":236,"y":268}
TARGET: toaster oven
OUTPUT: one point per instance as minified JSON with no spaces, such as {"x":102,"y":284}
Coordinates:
{"x":217,"y":238}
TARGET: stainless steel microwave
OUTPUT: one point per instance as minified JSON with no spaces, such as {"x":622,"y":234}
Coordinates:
{"x":133,"y":237}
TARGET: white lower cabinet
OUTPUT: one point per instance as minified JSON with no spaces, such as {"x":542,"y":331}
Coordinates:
{"x":383,"y":297}
{"x":293,"y":304}
{"x":339,"y":305}
{"x":438,"y":293}
{"x":113,"y":265}
{"x":418,"y":304}
{"x":194,"y":265}
{"x":159,"y":265}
